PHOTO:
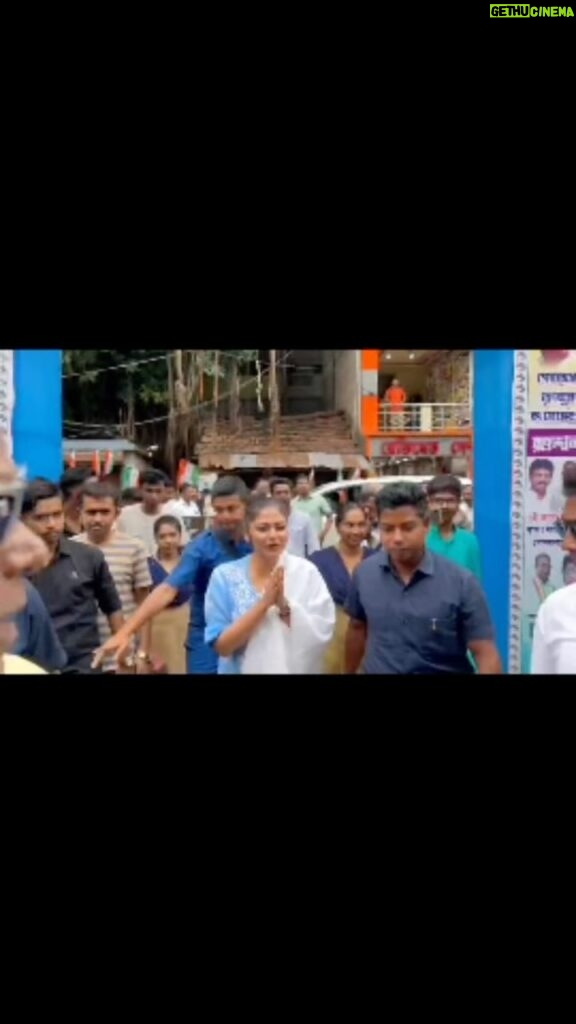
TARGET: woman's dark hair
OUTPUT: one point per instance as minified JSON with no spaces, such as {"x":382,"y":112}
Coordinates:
{"x":343,"y":510}
{"x":230,"y":487}
{"x":167,"y":521}
{"x":445,"y":483}
{"x":258,"y":505}
{"x":152,"y":477}
{"x":71,"y":479}
{"x":395,"y":496}
{"x":38,"y":490}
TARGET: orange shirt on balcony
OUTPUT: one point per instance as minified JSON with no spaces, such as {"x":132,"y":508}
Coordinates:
{"x":397,"y":399}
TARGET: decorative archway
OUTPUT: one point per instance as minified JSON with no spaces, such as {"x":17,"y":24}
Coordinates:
{"x":33,"y":378}
{"x":493,"y":388}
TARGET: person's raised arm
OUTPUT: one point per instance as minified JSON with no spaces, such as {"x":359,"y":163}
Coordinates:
{"x":183,"y":576}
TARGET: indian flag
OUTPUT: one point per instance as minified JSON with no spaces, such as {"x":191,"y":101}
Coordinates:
{"x":130,"y":477}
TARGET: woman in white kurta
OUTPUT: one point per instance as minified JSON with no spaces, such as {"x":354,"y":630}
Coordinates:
{"x":269,"y":613}
{"x":554,"y":647}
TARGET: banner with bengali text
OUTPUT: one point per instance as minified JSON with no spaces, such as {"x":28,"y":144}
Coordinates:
{"x":550,"y":446}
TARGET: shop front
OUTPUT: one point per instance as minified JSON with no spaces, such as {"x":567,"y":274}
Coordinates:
{"x":416,"y":411}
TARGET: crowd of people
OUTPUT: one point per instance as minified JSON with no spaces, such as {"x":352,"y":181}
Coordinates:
{"x":273,"y":580}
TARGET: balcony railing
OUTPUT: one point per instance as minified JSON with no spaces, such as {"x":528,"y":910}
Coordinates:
{"x":424,"y":417}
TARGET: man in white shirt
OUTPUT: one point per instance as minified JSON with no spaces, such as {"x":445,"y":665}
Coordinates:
{"x":138,"y":520}
{"x":540,"y":499}
{"x":303,"y":539}
{"x":186,"y":507}
{"x":554,"y":647}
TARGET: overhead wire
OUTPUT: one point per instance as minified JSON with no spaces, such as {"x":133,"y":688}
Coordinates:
{"x":188,"y":412}
{"x":133,"y":363}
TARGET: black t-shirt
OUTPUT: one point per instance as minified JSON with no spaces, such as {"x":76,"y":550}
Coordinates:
{"x":73,"y":587}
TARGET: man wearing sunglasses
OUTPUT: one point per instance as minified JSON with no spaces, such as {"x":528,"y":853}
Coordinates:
{"x":554,"y":648}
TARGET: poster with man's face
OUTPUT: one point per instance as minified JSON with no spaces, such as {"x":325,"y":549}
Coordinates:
{"x":547,"y":568}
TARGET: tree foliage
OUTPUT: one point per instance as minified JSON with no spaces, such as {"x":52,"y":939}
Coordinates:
{"x":180,"y":389}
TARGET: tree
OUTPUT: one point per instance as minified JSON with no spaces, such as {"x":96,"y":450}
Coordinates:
{"x":177,"y":390}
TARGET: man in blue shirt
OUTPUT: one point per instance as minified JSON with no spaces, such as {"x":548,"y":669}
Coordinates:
{"x":223,"y":543}
{"x":37,"y":639}
{"x":411,"y":611}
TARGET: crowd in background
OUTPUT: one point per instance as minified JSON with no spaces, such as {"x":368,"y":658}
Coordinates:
{"x":276,"y":579}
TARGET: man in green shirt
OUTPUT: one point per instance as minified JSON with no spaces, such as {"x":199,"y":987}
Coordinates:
{"x":314,"y":506}
{"x":444,"y":538}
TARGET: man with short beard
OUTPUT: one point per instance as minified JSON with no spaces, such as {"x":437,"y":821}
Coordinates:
{"x":75,"y":583}
{"x":125,"y":556}
{"x":413,"y":612}
{"x":303,"y":540}
{"x":138,"y":520}
{"x":223,"y":542}
{"x":445,"y":538}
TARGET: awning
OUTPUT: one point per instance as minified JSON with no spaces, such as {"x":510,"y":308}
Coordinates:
{"x":305,"y":461}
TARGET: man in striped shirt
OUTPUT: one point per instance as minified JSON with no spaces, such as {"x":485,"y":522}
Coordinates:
{"x":126,"y":558}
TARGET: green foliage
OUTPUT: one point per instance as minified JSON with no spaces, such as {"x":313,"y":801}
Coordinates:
{"x":95,"y":397}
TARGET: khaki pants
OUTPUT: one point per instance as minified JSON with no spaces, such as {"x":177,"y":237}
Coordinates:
{"x":397,"y":420}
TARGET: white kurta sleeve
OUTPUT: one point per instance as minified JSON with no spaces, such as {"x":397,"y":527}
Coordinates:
{"x":312,"y":620}
{"x":542,"y":662}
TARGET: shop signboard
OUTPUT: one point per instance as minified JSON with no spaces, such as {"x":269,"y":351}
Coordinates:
{"x":417,"y":448}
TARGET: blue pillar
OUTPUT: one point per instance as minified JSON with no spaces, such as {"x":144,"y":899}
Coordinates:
{"x":493,"y":389}
{"x":37,"y":420}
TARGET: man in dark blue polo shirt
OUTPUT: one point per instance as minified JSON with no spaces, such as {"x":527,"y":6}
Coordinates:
{"x":223,"y":543}
{"x":411,"y":611}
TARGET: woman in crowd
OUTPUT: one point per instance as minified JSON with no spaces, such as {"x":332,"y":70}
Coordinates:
{"x":270,"y":612}
{"x":369,"y":505}
{"x":337,"y":565}
{"x":170,"y":627}
{"x":554,"y":647}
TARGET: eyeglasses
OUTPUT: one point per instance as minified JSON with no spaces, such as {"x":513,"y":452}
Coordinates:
{"x":564,"y":528}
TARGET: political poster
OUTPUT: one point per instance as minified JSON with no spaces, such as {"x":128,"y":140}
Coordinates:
{"x":549,"y":453}
{"x":552,"y":388}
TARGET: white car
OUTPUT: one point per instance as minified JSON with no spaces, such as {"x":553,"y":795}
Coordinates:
{"x":330,"y":491}
{"x":375,"y":484}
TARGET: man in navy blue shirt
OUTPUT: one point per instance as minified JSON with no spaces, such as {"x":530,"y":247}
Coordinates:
{"x":223,"y":543}
{"x":413,"y":612}
{"x":37,"y":639}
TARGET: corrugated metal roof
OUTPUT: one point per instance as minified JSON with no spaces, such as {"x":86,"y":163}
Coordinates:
{"x":283,"y":460}
{"x":105,"y":444}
